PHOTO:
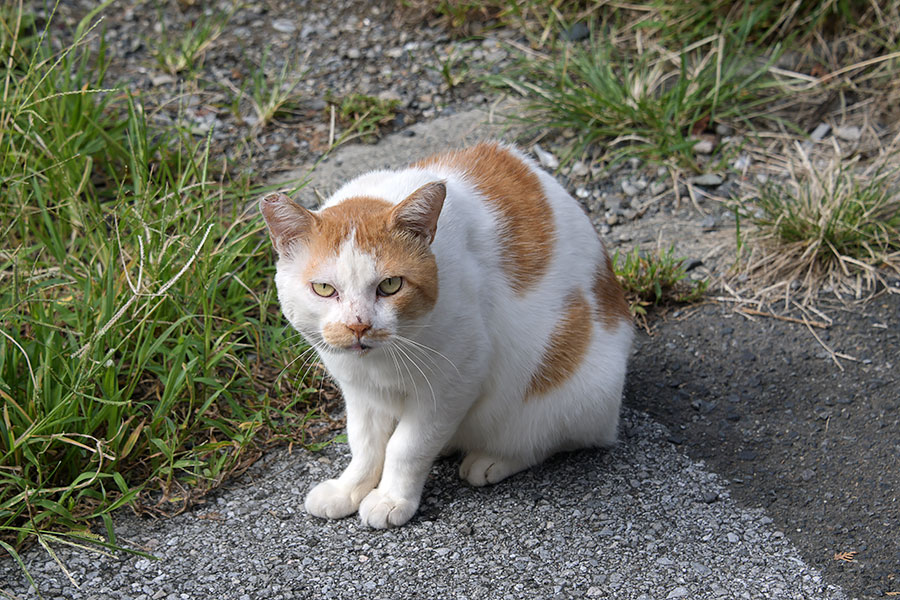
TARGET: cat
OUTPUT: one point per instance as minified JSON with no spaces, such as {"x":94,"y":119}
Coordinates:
{"x":466,"y":304}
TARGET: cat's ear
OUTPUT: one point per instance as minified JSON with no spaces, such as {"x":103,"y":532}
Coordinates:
{"x":418,"y":213}
{"x":287,"y":222}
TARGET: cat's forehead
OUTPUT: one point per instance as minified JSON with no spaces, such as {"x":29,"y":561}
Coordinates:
{"x":357,"y":231}
{"x":360,"y":220}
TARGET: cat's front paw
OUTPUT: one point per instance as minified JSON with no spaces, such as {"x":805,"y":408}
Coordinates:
{"x":331,"y":499}
{"x":381,"y":510}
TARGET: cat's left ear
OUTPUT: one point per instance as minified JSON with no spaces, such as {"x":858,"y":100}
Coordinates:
{"x":419,"y":212}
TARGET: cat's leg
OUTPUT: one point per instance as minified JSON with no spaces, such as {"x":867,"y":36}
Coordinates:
{"x":412,"y":449}
{"x":369,"y":426}
{"x":480,"y":468}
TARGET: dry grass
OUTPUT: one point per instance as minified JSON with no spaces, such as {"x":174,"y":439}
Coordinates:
{"x":832,"y":223}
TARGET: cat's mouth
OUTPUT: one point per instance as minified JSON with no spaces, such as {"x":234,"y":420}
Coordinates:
{"x":358,"y":348}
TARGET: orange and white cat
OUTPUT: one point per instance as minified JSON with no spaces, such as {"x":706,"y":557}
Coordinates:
{"x":464,"y":303}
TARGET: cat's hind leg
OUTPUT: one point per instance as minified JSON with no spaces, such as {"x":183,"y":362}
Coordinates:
{"x":479,"y":468}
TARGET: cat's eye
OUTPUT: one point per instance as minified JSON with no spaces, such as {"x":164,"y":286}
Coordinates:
{"x":390,"y":286}
{"x":323,"y":289}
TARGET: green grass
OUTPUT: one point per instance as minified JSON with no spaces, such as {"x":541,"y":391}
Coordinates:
{"x":654,"y":279}
{"x":269,"y":95}
{"x":182,"y":52}
{"x":827,"y":222}
{"x":139,"y":333}
{"x":649,"y":105}
{"x":364,"y":116}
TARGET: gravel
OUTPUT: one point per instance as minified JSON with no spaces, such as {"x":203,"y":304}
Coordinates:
{"x":624,"y":523}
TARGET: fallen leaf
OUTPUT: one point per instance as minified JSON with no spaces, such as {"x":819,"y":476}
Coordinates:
{"x":845,"y":556}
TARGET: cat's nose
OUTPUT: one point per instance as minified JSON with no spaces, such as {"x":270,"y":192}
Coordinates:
{"x":359,"y":329}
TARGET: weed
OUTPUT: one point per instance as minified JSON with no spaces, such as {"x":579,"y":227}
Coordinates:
{"x":364,"y":116}
{"x":452,"y":68}
{"x":653,"y":279}
{"x":826,"y":223}
{"x":183,"y":51}
{"x":270,"y":96}
{"x":649,"y":105}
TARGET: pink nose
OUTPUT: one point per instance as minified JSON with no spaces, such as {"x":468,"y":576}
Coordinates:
{"x":359,"y":329}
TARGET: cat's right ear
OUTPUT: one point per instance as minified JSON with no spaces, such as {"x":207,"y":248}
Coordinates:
{"x":287,"y":222}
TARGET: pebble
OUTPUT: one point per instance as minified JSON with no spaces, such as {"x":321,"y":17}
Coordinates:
{"x":657,"y":188}
{"x":679,"y":592}
{"x":742,"y":162}
{"x":733,"y":538}
{"x":850,"y":133}
{"x":284,"y":26}
{"x":709,"y":223}
{"x":579,"y":169}
{"x":747,"y":455}
{"x":576,"y":32}
{"x":612,"y":219}
{"x":703,"y":146}
{"x":724,"y":130}
{"x":710,"y":497}
{"x":701,"y":569}
{"x":353,"y":53}
{"x":545,"y":158}
{"x":820,"y":132}
{"x":629,"y":188}
{"x":707,"y":180}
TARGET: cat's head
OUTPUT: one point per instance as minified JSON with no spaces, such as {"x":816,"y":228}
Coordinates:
{"x":350,"y":276}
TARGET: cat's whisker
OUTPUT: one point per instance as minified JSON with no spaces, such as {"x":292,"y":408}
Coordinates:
{"x":430,"y":349}
{"x":431,"y":365}
{"x":424,"y":376}
{"x":412,"y":379}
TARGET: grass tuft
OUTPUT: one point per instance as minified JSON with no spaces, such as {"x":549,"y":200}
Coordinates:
{"x":831,"y":222}
{"x":364,"y":116}
{"x":656,"y":279}
{"x":179,"y":52}
{"x":650,"y":105}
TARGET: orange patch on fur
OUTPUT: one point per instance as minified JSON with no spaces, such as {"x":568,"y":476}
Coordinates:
{"x":568,"y":345}
{"x":611,"y":306}
{"x":515,"y":192}
{"x":338,"y":334}
{"x":396,"y":253}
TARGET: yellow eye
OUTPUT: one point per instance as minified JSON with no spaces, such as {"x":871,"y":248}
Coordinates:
{"x":323,"y":289}
{"x":390,"y":286}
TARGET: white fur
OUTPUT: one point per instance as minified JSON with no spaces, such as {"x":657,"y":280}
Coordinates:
{"x":463,"y":386}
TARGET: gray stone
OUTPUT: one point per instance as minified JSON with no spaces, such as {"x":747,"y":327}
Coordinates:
{"x":848,"y":133}
{"x":707,"y":179}
{"x":284,"y":26}
{"x":629,"y":188}
{"x":545,"y":158}
{"x":703,"y":146}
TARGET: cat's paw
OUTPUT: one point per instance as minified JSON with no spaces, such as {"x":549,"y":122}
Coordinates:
{"x":331,"y":499}
{"x":481,"y":469}
{"x":381,"y":510}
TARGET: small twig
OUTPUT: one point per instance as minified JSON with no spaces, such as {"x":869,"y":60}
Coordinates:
{"x":803,"y":321}
{"x":331,"y":129}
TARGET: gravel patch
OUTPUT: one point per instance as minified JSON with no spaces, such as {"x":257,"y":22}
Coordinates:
{"x":626,"y":523}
